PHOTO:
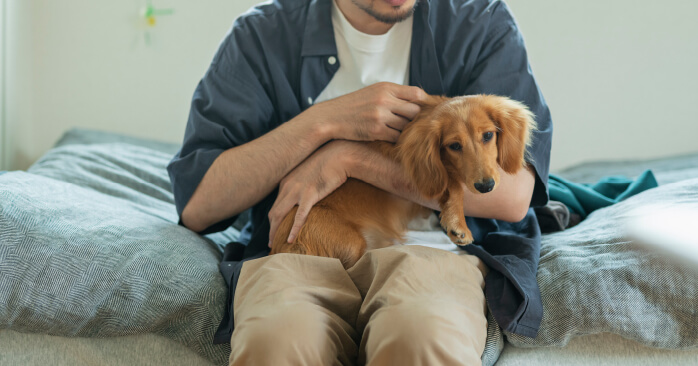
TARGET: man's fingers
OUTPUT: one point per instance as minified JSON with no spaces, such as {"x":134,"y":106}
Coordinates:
{"x":276,"y":215}
{"x":394,"y":126}
{"x":273,"y":224}
{"x":410,"y":93}
{"x":404,"y":109}
{"x":398,"y":123}
{"x":390,"y":135}
{"x":299,"y":220}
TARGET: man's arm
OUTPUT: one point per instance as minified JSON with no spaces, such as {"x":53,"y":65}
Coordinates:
{"x":509,"y":202}
{"x":328,"y":168}
{"x":377,"y":112}
{"x":224,"y":193}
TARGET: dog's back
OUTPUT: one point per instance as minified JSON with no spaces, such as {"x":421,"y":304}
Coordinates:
{"x":355,"y":218}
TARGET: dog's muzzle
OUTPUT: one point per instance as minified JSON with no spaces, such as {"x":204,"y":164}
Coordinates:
{"x":485,"y":186}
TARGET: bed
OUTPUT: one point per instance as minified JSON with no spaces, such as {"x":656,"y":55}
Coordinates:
{"x":95,"y":270}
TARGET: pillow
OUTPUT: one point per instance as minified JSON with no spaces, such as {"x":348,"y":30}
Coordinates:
{"x":594,"y":279}
{"x":89,"y":247}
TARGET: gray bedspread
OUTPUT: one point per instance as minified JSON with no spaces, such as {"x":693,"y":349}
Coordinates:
{"x":89,"y":247}
{"x":595,"y":279}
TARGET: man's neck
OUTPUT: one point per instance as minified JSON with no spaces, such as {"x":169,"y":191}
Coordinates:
{"x":360,"y":20}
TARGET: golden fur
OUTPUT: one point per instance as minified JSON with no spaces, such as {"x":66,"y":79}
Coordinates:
{"x":444,"y":146}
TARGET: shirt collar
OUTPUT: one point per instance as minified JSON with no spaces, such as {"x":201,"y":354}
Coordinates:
{"x":424,"y":66}
{"x":318,"y":38}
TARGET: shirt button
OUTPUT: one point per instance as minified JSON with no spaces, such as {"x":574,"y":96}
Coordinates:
{"x":332,"y":60}
{"x":310,"y":100}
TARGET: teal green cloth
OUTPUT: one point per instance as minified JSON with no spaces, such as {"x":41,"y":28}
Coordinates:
{"x":585,"y":198}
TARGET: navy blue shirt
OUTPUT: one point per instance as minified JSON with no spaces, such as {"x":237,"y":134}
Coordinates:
{"x":274,"y":63}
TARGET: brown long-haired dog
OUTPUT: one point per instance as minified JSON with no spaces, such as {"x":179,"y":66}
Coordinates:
{"x":451,"y":143}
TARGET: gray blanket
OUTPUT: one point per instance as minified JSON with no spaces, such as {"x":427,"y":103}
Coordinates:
{"x":89,"y":247}
{"x":595,"y":279}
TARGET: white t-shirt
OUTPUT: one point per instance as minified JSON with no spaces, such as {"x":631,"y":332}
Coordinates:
{"x":366,"y":59}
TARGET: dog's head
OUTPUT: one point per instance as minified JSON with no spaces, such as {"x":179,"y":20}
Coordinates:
{"x":465,"y":139}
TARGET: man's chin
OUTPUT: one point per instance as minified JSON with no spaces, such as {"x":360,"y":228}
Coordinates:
{"x":392,"y":17}
{"x":395,"y":11}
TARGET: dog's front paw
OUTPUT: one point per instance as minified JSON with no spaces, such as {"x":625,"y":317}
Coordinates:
{"x":460,"y":237}
{"x":457,"y":232}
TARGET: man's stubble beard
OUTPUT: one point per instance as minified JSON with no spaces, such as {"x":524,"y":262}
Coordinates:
{"x":386,"y":18}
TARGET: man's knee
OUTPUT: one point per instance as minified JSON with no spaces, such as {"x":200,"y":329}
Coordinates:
{"x":297,"y":335}
{"x":425,"y":333}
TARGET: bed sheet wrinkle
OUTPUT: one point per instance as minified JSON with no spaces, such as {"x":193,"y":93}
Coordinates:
{"x":105,"y":267}
{"x":128,"y":172}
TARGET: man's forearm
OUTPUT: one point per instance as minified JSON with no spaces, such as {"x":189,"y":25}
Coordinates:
{"x":242,"y":176}
{"x":509,"y":202}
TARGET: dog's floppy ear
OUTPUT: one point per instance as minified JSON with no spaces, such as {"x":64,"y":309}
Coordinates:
{"x":419,"y":150}
{"x":514,"y":123}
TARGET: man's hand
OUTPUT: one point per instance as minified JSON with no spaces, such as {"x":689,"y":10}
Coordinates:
{"x":311,"y":181}
{"x":376,"y":112}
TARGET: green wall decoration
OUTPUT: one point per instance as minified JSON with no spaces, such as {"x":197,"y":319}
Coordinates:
{"x":149,"y":14}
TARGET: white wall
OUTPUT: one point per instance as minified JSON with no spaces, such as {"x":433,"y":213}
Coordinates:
{"x":620,"y":76}
{"x":18,"y":83}
{"x":85,"y":63}
{"x":3,"y":34}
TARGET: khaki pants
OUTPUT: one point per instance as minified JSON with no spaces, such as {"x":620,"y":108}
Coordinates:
{"x":402,"y":305}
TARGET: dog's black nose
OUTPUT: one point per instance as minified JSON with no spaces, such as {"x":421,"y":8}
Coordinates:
{"x":485,"y":186}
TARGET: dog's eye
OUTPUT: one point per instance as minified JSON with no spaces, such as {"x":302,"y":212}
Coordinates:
{"x":455,"y":146}
{"x":487,"y":136}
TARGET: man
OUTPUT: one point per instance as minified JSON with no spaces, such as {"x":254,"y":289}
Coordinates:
{"x":279,"y":119}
